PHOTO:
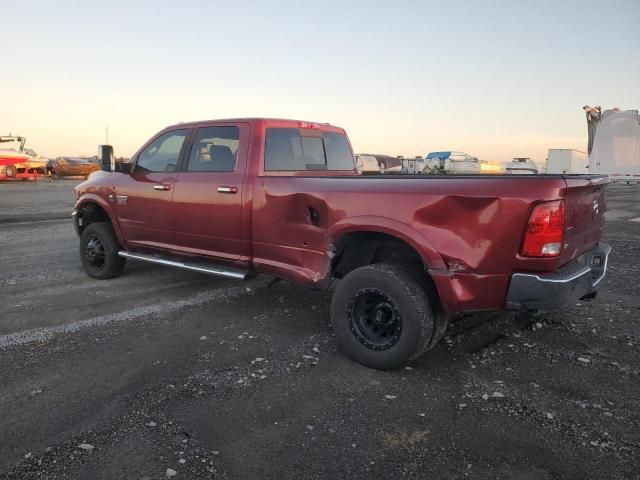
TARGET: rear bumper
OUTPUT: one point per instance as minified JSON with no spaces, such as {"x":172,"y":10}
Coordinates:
{"x":577,"y":279}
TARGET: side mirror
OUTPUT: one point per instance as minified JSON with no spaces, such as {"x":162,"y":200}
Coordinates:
{"x":107,"y":159}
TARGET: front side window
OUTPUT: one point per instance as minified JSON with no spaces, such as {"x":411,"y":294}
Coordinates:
{"x":294,"y":149}
{"x":215,"y":149}
{"x":163,"y":154}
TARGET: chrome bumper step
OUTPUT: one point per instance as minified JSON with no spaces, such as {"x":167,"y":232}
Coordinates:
{"x":194,"y":267}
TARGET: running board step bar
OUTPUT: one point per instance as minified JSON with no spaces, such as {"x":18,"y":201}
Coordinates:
{"x":194,"y":267}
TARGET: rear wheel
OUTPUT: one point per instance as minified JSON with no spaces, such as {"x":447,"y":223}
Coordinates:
{"x":99,"y":251}
{"x":383,"y":316}
{"x":11,"y":171}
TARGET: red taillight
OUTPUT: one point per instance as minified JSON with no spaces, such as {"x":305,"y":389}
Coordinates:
{"x":307,"y":125}
{"x":545,"y":230}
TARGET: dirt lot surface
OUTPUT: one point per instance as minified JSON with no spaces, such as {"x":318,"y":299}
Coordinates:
{"x":163,"y":373}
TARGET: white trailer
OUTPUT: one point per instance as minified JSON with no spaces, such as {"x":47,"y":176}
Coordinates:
{"x":565,"y":160}
{"x":616,"y":146}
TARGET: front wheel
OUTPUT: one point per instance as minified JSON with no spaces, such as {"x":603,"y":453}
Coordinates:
{"x":99,"y":251}
{"x":383,"y":316}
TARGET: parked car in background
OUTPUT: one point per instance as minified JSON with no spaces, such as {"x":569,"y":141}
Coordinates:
{"x":401,"y":254}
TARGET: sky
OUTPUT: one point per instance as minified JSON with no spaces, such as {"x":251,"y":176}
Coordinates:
{"x":495,"y":79}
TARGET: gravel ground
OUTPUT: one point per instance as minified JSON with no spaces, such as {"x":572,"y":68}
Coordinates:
{"x":170,"y":374}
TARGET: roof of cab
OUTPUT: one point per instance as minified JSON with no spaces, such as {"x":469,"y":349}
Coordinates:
{"x":268,"y":122}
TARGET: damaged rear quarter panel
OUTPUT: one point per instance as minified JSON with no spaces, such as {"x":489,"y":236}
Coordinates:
{"x":467,"y":229}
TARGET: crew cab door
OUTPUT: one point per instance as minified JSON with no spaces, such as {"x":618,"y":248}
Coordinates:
{"x":143,"y":198}
{"x":208,"y":197}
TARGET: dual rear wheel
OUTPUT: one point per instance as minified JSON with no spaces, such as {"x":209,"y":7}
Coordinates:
{"x":386,"y":315}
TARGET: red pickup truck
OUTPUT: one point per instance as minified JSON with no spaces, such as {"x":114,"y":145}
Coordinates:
{"x":403,"y":254}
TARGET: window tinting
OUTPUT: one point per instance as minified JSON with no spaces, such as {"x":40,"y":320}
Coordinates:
{"x":310,"y":151}
{"x":339,"y":155}
{"x":163,"y":154}
{"x":214,"y":149}
{"x":287,"y":149}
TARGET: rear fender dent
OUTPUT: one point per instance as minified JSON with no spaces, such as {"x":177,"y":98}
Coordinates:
{"x":430,"y":257}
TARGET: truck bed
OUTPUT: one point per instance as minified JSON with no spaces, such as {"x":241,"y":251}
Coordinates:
{"x":468,"y":228}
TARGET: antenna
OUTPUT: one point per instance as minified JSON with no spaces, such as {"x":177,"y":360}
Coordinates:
{"x":106,"y":130}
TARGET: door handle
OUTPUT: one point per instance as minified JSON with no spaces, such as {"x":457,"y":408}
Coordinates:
{"x":162,"y":187}
{"x":223,"y":189}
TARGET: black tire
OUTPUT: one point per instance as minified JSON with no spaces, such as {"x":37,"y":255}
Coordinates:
{"x":11,"y":171}
{"x":99,"y":251}
{"x":383,"y":315}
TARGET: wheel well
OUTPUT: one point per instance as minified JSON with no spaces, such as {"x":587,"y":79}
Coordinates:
{"x":357,"y":249}
{"x":92,"y":212}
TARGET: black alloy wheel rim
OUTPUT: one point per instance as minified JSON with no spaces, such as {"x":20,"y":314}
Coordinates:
{"x":94,"y":252}
{"x":374,"y":319}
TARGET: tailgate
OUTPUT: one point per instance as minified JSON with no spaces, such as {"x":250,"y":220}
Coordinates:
{"x":585,"y":203}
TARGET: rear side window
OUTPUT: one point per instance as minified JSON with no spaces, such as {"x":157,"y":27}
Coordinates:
{"x":339,"y":155}
{"x":214,"y":149}
{"x":297,"y":149}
